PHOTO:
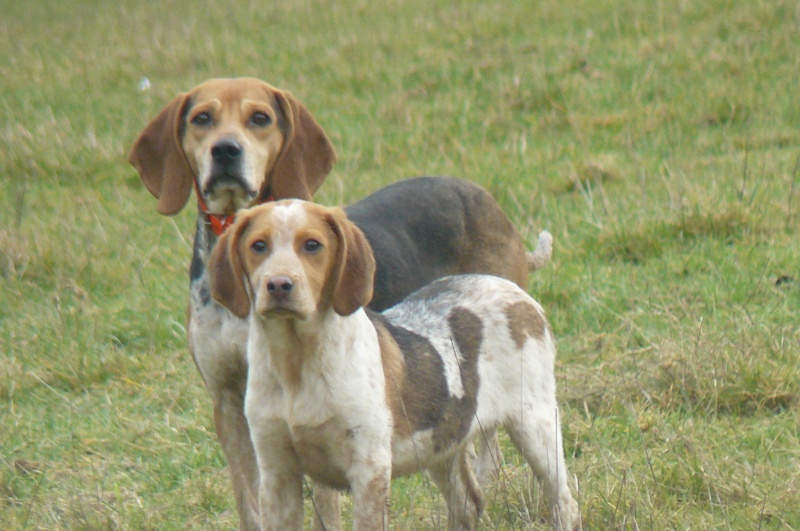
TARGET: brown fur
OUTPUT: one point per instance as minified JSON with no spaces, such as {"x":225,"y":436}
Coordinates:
{"x":225,"y":265}
{"x":355,"y":262}
{"x":525,"y":321}
{"x":467,"y":334}
{"x":418,"y":401}
{"x":494,"y":246}
{"x":394,"y":369}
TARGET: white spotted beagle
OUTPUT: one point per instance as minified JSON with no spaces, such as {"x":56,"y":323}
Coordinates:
{"x":240,"y":142}
{"x":352,"y":398}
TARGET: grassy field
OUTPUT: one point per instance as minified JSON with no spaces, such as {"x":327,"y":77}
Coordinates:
{"x":658,"y":141}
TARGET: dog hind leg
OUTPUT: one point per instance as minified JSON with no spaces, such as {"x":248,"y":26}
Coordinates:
{"x":538,"y":437}
{"x":489,"y":458}
{"x":327,"y":509}
{"x":456,"y":479}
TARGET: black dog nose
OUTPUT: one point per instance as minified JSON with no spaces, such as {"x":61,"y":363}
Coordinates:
{"x":226,"y":150}
{"x":280,"y":287}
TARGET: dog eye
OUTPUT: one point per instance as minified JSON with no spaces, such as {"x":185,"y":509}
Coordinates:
{"x":259,"y":247}
{"x":260,"y":119}
{"x":201,"y":119}
{"x":312,"y":246}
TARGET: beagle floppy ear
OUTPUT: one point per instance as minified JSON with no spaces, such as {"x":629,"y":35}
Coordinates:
{"x":307,"y":155}
{"x":159,"y":158}
{"x":226,"y":271}
{"x":354,"y":271}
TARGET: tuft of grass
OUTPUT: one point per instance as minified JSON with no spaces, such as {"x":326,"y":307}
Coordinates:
{"x":657,"y":142}
{"x":635,"y":245}
{"x":592,"y":173}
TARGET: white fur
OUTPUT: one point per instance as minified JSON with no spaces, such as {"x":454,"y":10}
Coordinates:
{"x":335,"y":391}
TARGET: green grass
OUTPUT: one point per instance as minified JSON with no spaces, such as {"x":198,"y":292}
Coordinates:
{"x":658,"y":141}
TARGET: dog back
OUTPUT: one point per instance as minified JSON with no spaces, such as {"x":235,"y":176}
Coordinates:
{"x":450,"y":351}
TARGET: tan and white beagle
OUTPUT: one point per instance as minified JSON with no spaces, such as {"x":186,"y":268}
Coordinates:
{"x":352,"y":398}
{"x":240,"y":142}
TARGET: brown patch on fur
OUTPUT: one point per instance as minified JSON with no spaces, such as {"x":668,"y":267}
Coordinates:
{"x":421,"y":397}
{"x":467,"y":331}
{"x":524,"y":321}
{"x":395,"y":374}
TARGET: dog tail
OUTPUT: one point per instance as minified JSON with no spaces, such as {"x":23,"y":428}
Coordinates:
{"x":541,"y":256}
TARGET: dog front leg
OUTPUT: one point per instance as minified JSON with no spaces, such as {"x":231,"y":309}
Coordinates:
{"x":234,"y":436}
{"x":371,"y":495}
{"x":280,"y":492}
{"x":327,"y":509}
{"x":281,"y":500}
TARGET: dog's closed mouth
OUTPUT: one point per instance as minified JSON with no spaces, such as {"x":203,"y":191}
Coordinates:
{"x":279,"y":311}
{"x":230,"y":192}
{"x":228,"y":182}
{"x":275,"y":309}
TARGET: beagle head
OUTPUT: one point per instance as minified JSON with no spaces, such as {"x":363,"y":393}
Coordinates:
{"x":292,"y":259}
{"x":241,"y":140}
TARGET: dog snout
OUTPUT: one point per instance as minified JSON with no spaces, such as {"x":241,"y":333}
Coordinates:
{"x":226,"y":151}
{"x":280,"y":287}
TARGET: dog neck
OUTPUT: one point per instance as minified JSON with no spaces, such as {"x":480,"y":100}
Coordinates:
{"x":208,"y":229}
{"x":204,"y":241}
{"x":217,"y":223}
{"x":294,"y":350}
